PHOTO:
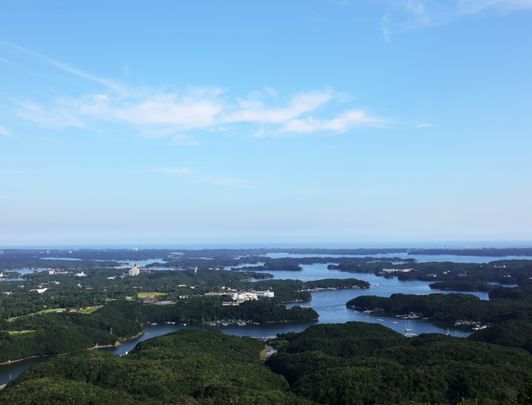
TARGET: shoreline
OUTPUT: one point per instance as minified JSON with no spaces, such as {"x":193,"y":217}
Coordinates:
{"x":118,"y":343}
{"x":9,"y":362}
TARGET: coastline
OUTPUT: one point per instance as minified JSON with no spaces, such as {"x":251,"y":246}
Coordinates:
{"x":117,"y":343}
{"x":9,"y":362}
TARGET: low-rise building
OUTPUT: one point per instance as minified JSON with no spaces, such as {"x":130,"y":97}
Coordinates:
{"x":134,"y":271}
{"x":55,"y":272}
{"x":39,"y":290}
{"x":397,"y":270}
{"x":245,"y":296}
{"x":265,"y":294}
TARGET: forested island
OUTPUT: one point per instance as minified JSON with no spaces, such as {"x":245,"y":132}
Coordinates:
{"x":505,"y":319}
{"x":446,"y":275}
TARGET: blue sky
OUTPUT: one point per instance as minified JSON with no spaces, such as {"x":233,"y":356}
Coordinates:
{"x":368,"y":121}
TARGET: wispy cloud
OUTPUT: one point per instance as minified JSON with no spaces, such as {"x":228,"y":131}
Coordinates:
{"x":422,"y":125}
{"x":168,"y":112}
{"x":183,"y":172}
{"x":255,"y":111}
{"x":339,"y":124}
{"x":405,"y":15}
{"x":19,"y":50}
{"x":4,"y":131}
{"x":183,"y":140}
{"x":202,"y":178}
{"x":175,"y":170}
{"x":60,"y":116}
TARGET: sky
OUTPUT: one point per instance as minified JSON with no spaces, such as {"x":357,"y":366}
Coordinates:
{"x":304,"y":121}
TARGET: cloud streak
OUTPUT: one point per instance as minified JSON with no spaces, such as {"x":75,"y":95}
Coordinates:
{"x":21,"y":51}
{"x":202,"y":178}
{"x":4,"y":131}
{"x":405,"y":15}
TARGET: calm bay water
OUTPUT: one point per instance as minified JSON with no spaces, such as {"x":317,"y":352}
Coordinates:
{"x":404,"y":255}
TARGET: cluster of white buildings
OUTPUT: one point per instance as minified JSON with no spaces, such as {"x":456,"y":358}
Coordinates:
{"x":55,"y":272}
{"x":39,"y":290}
{"x":238,"y":297}
{"x":398,"y":270}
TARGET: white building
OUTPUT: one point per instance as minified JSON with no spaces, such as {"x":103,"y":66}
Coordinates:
{"x":265,"y":294}
{"x":39,"y":290}
{"x":82,"y":274}
{"x":57,"y":271}
{"x":245,"y":296}
{"x":398,"y":270}
{"x":134,"y":271}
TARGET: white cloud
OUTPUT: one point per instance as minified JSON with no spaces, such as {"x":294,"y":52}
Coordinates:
{"x":59,"y":116}
{"x":183,"y":140}
{"x":4,"y":131}
{"x":476,"y":6}
{"x":202,"y":178}
{"x":422,"y":125}
{"x":166,"y":113}
{"x":163,"y":114}
{"x":255,"y":111}
{"x":222,"y":181}
{"x":168,"y":109}
{"x":404,"y":15}
{"x":339,"y":124}
{"x":176,"y":170}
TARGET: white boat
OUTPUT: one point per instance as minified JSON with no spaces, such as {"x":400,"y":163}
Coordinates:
{"x":409,"y":332}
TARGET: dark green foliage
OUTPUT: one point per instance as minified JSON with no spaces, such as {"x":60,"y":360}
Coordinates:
{"x":368,"y":364}
{"x":336,"y":283}
{"x":508,"y":314}
{"x":353,"y":363}
{"x":203,"y":366}
{"x":449,"y":275}
{"x":63,"y":333}
{"x":446,"y":308}
{"x":56,"y":333}
{"x":514,"y":332}
{"x":461,"y":285}
{"x":53,"y":391}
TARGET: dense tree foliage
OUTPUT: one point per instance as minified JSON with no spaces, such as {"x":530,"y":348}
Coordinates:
{"x":353,"y":363}
{"x":358,"y":363}
{"x":513,"y":332}
{"x":475,"y":276}
{"x":507,"y":316}
{"x":447,"y":308}
{"x":192,"y":366}
{"x":336,"y":283}
{"x":54,"y":333}
{"x":462,"y":285}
